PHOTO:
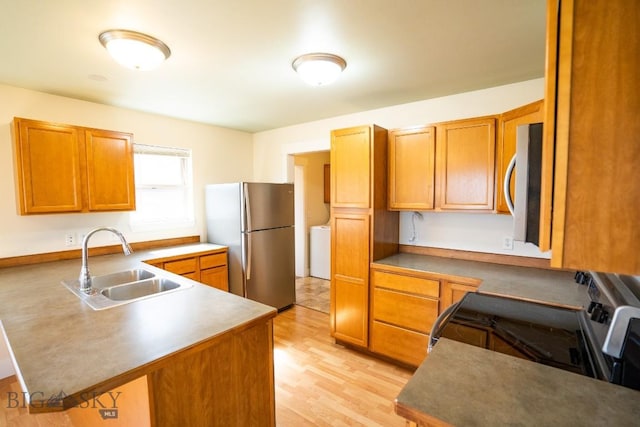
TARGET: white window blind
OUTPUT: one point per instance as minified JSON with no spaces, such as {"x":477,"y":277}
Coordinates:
{"x":164,"y":188}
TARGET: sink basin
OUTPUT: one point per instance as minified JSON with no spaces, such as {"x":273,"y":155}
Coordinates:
{"x":139,"y":289}
{"x":123,"y":287}
{"x":119,"y":278}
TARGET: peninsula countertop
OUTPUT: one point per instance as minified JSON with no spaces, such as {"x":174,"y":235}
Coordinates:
{"x":463,"y":385}
{"x":61,"y":347}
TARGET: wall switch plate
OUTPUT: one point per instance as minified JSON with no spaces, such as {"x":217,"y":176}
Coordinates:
{"x":507,"y":243}
{"x":70,"y":239}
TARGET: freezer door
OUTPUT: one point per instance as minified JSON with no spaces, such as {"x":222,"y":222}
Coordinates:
{"x":269,"y":268}
{"x":267,"y":206}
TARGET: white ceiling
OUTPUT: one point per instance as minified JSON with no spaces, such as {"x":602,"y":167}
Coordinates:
{"x":231,"y":59}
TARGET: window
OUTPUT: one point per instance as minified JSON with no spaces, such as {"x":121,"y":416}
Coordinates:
{"x":164,"y":188}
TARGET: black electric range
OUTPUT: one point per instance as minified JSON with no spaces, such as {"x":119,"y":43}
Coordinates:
{"x":600,"y":341}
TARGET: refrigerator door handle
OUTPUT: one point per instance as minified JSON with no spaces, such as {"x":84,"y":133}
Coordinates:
{"x":249,"y":256}
{"x":247,"y":207}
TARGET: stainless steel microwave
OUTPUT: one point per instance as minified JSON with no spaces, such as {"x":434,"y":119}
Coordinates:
{"x":525,"y":206}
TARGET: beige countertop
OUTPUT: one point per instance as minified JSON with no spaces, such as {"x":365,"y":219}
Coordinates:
{"x":462,"y":385}
{"x":554,"y":287}
{"x":60,"y":345}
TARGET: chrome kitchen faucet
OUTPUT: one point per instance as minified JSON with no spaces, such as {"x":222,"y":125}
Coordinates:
{"x":85,"y":275}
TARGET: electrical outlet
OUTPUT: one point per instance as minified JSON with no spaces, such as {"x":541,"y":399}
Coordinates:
{"x":507,"y":243}
{"x":70,"y":239}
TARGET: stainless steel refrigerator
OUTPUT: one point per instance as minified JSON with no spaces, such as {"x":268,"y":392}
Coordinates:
{"x":256,"y":222}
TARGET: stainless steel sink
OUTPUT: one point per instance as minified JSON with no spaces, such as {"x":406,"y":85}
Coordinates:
{"x":139,"y":289}
{"x":121,"y":277}
{"x":123,"y":287}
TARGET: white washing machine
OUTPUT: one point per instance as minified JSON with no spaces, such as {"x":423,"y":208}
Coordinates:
{"x":321,"y":251}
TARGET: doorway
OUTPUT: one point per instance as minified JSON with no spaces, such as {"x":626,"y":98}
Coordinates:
{"x":311,"y":209}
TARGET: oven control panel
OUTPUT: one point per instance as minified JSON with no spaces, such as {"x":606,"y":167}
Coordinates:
{"x":598,"y":308}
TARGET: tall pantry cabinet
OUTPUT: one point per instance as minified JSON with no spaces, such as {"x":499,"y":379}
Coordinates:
{"x":362,"y":229}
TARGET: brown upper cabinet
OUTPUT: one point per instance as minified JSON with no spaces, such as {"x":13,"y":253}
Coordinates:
{"x":592,"y":126}
{"x":412,"y":153}
{"x":507,"y":126}
{"x":63,"y":168}
{"x":465,"y":164}
{"x":447,"y":167}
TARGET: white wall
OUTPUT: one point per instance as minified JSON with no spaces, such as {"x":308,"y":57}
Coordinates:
{"x":474,"y":232}
{"x":219,"y":155}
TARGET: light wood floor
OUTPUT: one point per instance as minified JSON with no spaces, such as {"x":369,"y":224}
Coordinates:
{"x":318,"y":383}
{"x":313,"y":292}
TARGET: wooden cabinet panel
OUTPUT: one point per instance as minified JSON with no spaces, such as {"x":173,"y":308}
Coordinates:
{"x":398,"y":343}
{"x":466,"y":334}
{"x":507,"y":126}
{"x":593,"y":99}
{"x":110,"y":177}
{"x":410,"y":284}
{"x":218,"y":277}
{"x":213,"y":260}
{"x":64,"y":168}
{"x":404,"y":310}
{"x":47,"y":167}
{"x":411,"y":168}
{"x":452,"y":292}
{"x":351,"y":167}
{"x":350,"y":277}
{"x":465,"y":164}
{"x":182,"y":266}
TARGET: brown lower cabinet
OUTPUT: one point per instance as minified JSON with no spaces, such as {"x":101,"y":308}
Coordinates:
{"x":208,"y":267}
{"x":404,"y":305}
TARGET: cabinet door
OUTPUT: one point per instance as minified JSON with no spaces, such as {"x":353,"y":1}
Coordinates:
{"x":218,"y":277}
{"x":350,"y":277}
{"x":48,"y":167}
{"x":465,"y":164}
{"x":411,"y":168}
{"x":351,"y":167}
{"x":110,"y":170}
{"x":507,"y":126}
{"x":594,"y":101}
{"x":453,"y":292}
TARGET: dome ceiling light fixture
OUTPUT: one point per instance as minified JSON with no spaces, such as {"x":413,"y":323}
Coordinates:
{"x":319,"y":69}
{"x":134,"y":50}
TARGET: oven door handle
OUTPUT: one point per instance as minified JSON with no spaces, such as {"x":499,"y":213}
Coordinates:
{"x":614,"y":342}
{"x":438,"y":325}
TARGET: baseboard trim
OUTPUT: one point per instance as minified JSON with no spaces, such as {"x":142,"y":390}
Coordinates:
{"x":478,"y":256}
{"x":102,"y":250}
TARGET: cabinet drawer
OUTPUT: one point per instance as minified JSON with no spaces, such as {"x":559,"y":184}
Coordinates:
{"x":408,"y":311}
{"x":399,"y":282}
{"x":213,"y":260}
{"x":181,"y":266}
{"x":400,"y":344}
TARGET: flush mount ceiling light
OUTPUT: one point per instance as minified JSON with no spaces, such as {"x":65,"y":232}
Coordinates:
{"x":134,"y":50}
{"x":318,"y":69}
